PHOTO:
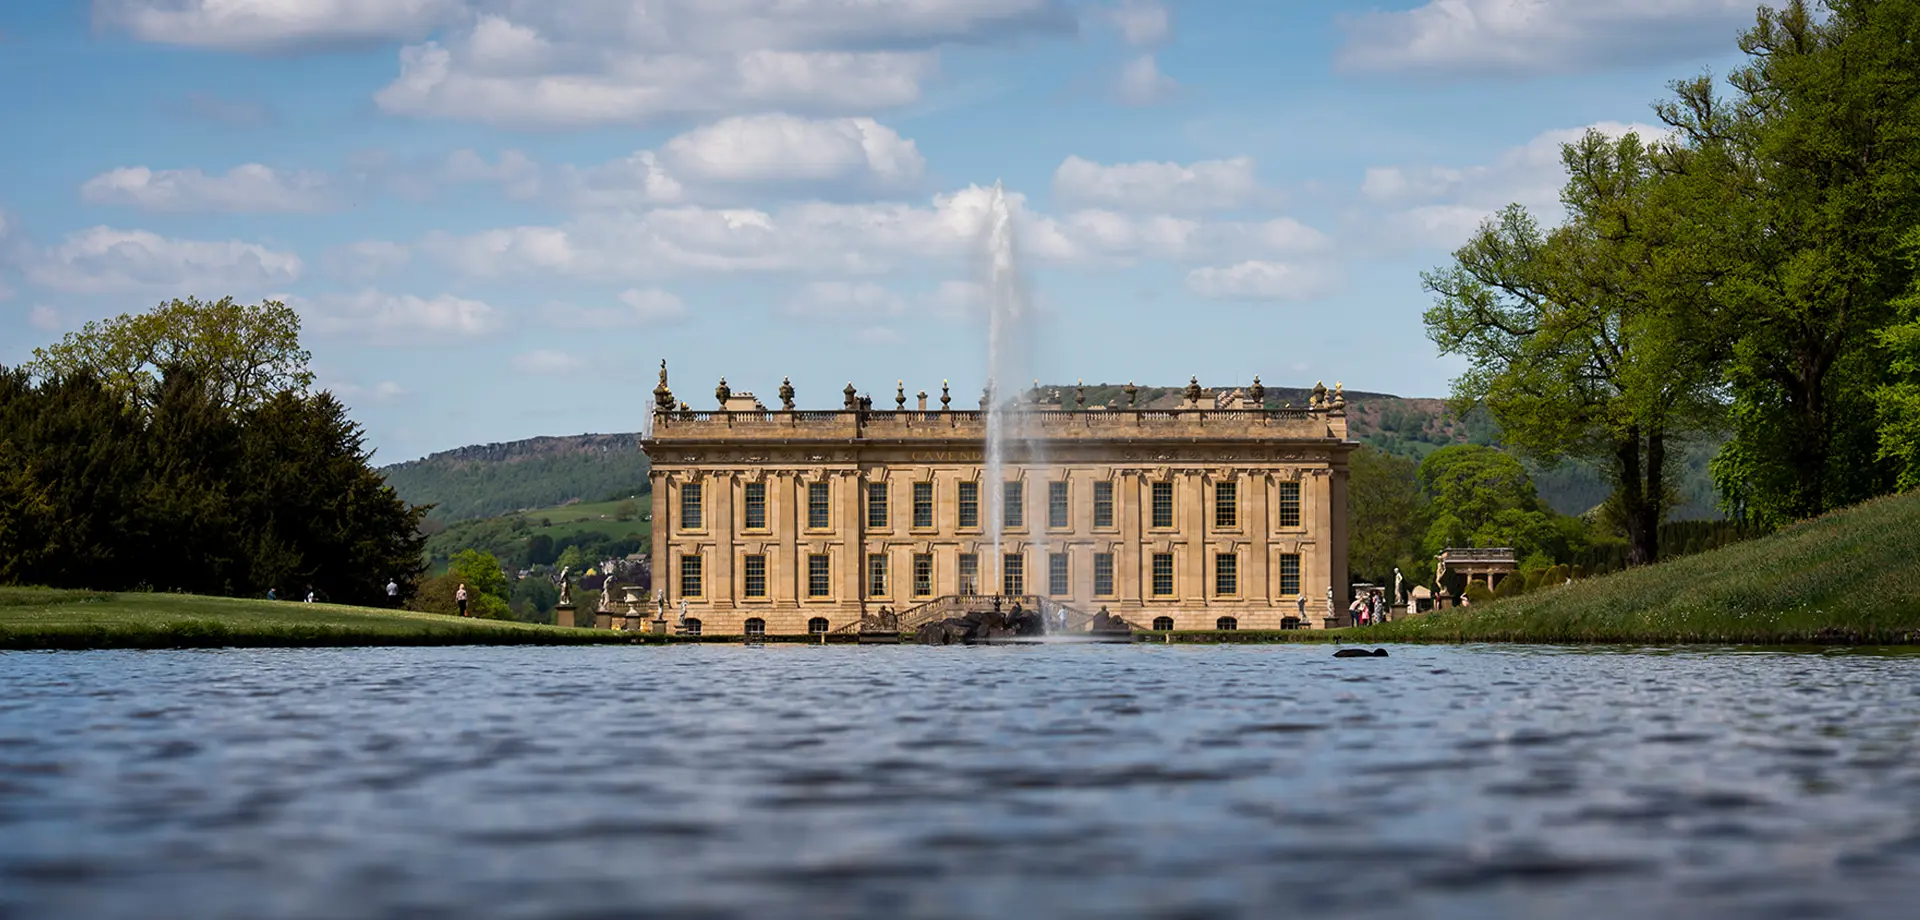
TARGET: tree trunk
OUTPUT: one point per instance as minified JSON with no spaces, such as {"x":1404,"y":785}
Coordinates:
{"x":1631,"y":488}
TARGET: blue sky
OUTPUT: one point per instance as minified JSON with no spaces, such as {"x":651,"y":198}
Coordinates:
{"x":497,"y":216}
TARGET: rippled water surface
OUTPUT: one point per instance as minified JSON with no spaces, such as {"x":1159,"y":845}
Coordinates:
{"x":1094,"y":781}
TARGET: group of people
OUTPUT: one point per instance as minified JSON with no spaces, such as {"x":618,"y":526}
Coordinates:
{"x":393,"y":595}
{"x":1369,"y":608}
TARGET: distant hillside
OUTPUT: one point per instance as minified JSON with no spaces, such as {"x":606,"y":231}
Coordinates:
{"x":486,"y":480}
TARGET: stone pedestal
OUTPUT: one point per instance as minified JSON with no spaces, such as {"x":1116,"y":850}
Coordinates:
{"x":563,"y":615}
{"x":603,"y":620}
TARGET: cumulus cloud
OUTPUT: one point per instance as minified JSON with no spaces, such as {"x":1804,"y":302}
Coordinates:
{"x":1142,"y":83}
{"x":380,"y":318}
{"x":1443,"y":205}
{"x":1256,"y":280}
{"x":545,"y":361}
{"x":366,"y":259}
{"x":249,"y":188}
{"x":260,"y":25}
{"x":1205,"y":185}
{"x":780,"y":147}
{"x":1141,"y":22}
{"x":104,"y":260}
{"x":638,"y":307}
{"x":1536,"y":36}
{"x":528,"y":64}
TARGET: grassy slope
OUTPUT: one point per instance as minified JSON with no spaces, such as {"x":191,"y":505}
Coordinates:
{"x":1850,"y":576}
{"x":45,"y":618}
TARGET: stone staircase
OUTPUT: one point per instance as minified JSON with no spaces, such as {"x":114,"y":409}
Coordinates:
{"x":955,"y":605}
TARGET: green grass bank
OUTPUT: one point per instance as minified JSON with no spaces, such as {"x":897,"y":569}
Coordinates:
{"x":39,"y":618}
{"x":1851,"y":577}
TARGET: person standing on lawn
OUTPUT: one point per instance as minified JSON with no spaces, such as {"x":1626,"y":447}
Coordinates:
{"x":460,"y":598}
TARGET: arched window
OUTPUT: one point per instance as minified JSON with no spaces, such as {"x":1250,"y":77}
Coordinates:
{"x":1226,"y":623}
{"x":1289,"y":622}
{"x":693,"y":626}
{"x":756,"y":626}
{"x":817,"y":625}
{"x":1163,"y":624}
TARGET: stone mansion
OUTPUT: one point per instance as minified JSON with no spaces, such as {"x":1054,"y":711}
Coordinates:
{"x":1217,"y":513}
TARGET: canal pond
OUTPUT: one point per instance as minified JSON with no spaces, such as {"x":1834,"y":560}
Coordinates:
{"x":1051,"y":781}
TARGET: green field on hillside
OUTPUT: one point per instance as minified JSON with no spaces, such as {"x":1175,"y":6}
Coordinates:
{"x":42,"y":618}
{"x":596,"y":524}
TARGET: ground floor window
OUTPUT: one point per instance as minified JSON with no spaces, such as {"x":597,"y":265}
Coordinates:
{"x":1225,"y":623}
{"x":693,"y":626}
{"x":817,"y":625}
{"x":877,"y":575}
{"x":922,"y":575}
{"x":1163,"y":624}
{"x":1013,"y":577}
{"x":819,"y":576}
{"x":1226,"y":575}
{"x":1057,"y":574}
{"x":1102,"y":574}
{"x":756,"y":576}
{"x":969,"y":573}
{"x":1162,"y":574}
{"x":756,"y":626}
{"x":690,"y":581}
{"x":1289,"y":574}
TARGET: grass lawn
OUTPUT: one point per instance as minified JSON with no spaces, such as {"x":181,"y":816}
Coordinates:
{"x":40,"y":618}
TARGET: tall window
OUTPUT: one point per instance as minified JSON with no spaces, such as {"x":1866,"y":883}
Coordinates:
{"x":690,"y":507}
{"x":1162,"y":574}
{"x":819,"y":576}
{"x":1289,"y":573}
{"x":690,"y":585}
{"x":969,"y":573}
{"x":923,"y":504}
{"x":1014,"y":508}
{"x":969,"y":504}
{"x":1163,"y":504}
{"x":1057,"y":574}
{"x":1103,"y":504}
{"x":1289,"y":504}
{"x":1056,"y":504}
{"x":1226,"y":574}
{"x":756,"y":506}
{"x":1102,"y":574}
{"x":1013,"y":574}
{"x":818,"y":517}
{"x":756,"y":576}
{"x":877,"y":575}
{"x":922,"y":575}
{"x":877,"y":505}
{"x":1226,"y":504}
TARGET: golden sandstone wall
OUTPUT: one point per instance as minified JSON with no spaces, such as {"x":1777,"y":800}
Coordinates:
{"x":1194,"y":514}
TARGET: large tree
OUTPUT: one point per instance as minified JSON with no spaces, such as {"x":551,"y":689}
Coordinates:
{"x":243,"y":353}
{"x":1482,"y":496}
{"x":1593,"y":340}
{"x":1819,"y":172}
{"x":1899,"y":400}
{"x":1386,"y":515}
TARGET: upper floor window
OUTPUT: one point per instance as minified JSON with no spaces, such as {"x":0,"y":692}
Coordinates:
{"x":1163,"y":504}
{"x":877,"y":505}
{"x":1103,"y":504}
{"x":755,"y":506}
{"x":923,"y":504}
{"x":969,"y":503}
{"x":1289,"y":504}
{"x":691,"y":507}
{"x":819,"y":516}
{"x":1014,"y":509}
{"x":1056,"y":505}
{"x":1226,"y":504}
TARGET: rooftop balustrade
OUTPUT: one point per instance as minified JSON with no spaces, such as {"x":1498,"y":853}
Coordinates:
{"x":1025,"y":424}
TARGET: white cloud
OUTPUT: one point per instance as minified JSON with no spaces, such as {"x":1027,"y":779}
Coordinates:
{"x":534,"y":64}
{"x":1443,"y":205}
{"x":1535,"y":36}
{"x":249,"y":188}
{"x":366,"y":259}
{"x":380,"y":318}
{"x":777,"y":147}
{"x":384,"y":391}
{"x":104,"y":260}
{"x":1141,"y":22}
{"x":544,"y":361}
{"x":1254,"y":280}
{"x":639,"y":307}
{"x":45,"y":318}
{"x":254,"y":25}
{"x":1141,"y":82}
{"x":842,"y":299}
{"x":516,"y":173}
{"x":1205,"y":185}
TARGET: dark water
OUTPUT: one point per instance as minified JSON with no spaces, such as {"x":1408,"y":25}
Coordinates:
{"x":958,"y":782}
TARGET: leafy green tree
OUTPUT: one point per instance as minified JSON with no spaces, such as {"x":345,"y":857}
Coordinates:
{"x":1593,"y":340}
{"x":242,"y":353}
{"x":572,"y":557}
{"x":534,"y":598}
{"x":1479,"y":496}
{"x":1386,"y":515}
{"x":481,"y":572}
{"x":626,"y":510}
{"x":1899,"y":401}
{"x":540,"y":550}
{"x":1816,"y":155}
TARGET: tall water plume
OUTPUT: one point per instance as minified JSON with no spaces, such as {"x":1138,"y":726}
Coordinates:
{"x":1006,"y":318}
